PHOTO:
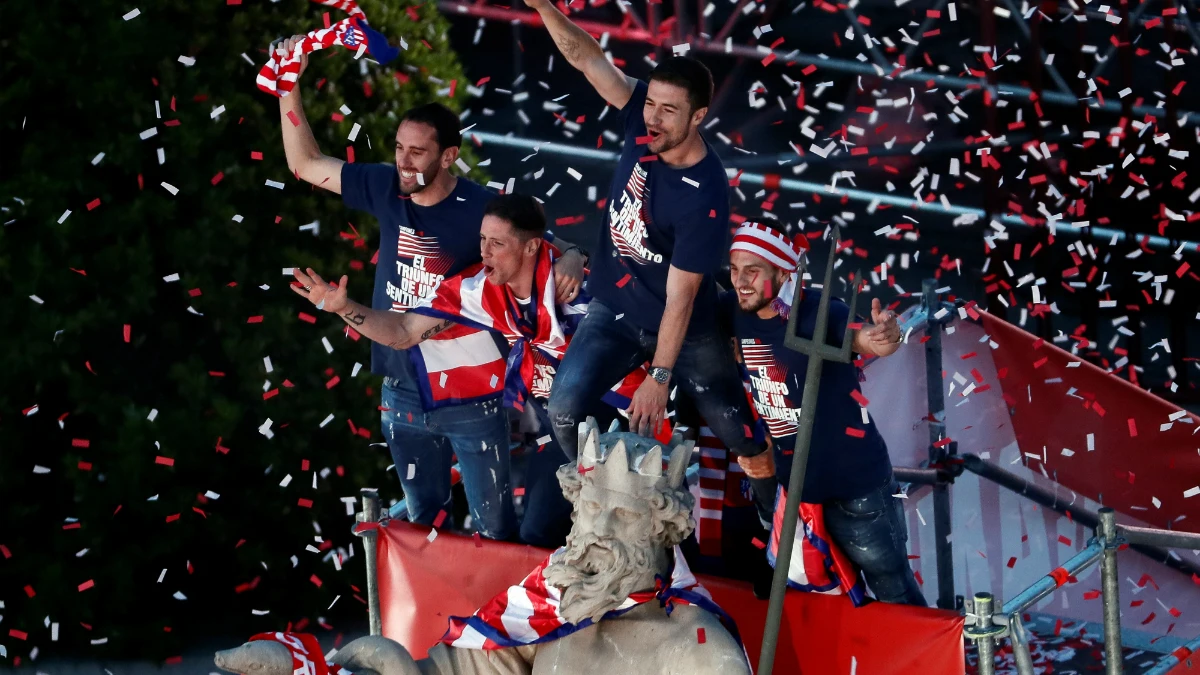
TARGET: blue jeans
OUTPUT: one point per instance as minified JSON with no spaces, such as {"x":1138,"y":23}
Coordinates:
{"x":424,"y":444}
{"x":604,"y":350}
{"x":547,"y":518}
{"x":871,"y":532}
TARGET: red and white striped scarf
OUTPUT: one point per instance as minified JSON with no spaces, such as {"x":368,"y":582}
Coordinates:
{"x":722,"y":483}
{"x":307,"y":658}
{"x":278,"y":77}
{"x":527,"y":613}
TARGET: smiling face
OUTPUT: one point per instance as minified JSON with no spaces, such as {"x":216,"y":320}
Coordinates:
{"x":506,"y":255}
{"x":669,"y":117}
{"x":419,"y":159}
{"x":755,"y":280}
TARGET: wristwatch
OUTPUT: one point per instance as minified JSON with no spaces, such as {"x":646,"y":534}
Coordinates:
{"x":660,"y":375}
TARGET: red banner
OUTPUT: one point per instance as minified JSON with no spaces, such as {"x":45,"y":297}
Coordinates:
{"x":421,"y":583}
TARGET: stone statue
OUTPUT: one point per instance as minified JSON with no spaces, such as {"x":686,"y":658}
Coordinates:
{"x":628,"y":519}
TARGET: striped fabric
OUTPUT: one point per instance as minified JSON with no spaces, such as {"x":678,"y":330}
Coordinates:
{"x":527,"y":613}
{"x":817,"y":564}
{"x":460,"y":365}
{"x":764,"y":242}
{"x":722,"y":483}
{"x":537,"y":344}
{"x":278,"y":77}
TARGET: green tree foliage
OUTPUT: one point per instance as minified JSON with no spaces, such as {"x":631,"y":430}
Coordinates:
{"x":80,"y":80}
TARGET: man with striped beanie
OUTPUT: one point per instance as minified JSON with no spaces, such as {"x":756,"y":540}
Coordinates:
{"x":849,"y":475}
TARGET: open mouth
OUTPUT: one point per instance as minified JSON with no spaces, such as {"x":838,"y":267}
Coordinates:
{"x":488,"y":269}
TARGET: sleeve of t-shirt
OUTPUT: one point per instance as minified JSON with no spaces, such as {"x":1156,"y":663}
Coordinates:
{"x":366,"y":187}
{"x":700,"y":235}
{"x":631,"y":115}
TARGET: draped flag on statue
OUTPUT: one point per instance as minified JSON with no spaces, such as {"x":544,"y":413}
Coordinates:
{"x":278,"y":77}
{"x":527,"y":613}
{"x":722,"y":484}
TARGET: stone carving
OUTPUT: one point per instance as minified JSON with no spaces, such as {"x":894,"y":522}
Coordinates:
{"x":628,"y":517}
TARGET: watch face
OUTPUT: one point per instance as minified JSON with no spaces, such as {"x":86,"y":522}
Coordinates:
{"x":660,"y":375}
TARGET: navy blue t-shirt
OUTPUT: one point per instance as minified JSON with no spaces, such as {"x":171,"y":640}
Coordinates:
{"x":840,"y":466}
{"x":418,"y":245}
{"x":657,"y":218}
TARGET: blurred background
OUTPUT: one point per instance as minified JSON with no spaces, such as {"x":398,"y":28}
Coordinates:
{"x":181,"y":445}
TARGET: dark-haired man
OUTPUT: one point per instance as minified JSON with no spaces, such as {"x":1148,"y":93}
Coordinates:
{"x":848,"y":473}
{"x":663,"y":240}
{"x":440,"y":399}
{"x":512,"y":291}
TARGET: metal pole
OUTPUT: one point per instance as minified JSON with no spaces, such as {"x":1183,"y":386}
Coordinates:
{"x":1020,"y":643}
{"x":1111,"y":598}
{"x":984,"y":633}
{"x":937,"y":431}
{"x":370,"y":514}
{"x":791,"y":512}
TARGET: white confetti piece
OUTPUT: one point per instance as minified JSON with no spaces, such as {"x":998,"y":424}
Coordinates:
{"x":442,"y":379}
{"x":54,"y":632}
{"x":162,"y":575}
{"x":354,"y":371}
{"x":1091,"y":441}
{"x":432,"y":535}
{"x":149,"y":133}
{"x":574,"y":174}
{"x":216,"y":112}
{"x":345,"y":109}
{"x":170,"y":278}
{"x":328,"y":347}
{"x":267,"y":364}
{"x":1157,"y":504}
{"x":327,"y":420}
{"x":209,"y":494}
{"x":40,"y":469}
{"x":462,"y":165}
{"x":170,"y":188}
{"x":187,"y":61}
{"x":162,"y":157}
{"x":275,"y":184}
{"x":260,"y":612}
{"x":1188,"y":494}
{"x":691,"y":182}
{"x":153,"y":414}
{"x":544,"y":440}
{"x":97,"y":159}
{"x":412,"y":471}
{"x":64,"y":216}
{"x":287,"y":480}
{"x":179,"y":595}
{"x":288,"y":271}
{"x":354,"y":131}
{"x":493,"y":381}
{"x":132,"y":14}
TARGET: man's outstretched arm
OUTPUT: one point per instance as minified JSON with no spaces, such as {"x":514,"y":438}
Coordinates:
{"x":398,"y":330}
{"x":304,"y":157}
{"x":583,"y":52}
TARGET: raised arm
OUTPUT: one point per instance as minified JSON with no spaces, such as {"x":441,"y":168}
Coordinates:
{"x":882,"y":338}
{"x":584,"y":53}
{"x":398,"y":330}
{"x":304,"y":158}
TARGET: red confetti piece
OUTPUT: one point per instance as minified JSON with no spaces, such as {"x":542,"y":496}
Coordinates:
{"x":85,"y":466}
{"x":93,"y":204}
{"x":291,"y":115}
{"x":255,"y":154}
{"x":700,"y":638}
{"x":127,"y":329}
{"x":195,"y":292}
{"x":304,"y":465}
{"x":29,"y":591}
{"x":333,"y":382}
{"x":1012,"y":561}
{"x":86,"y":585}
{"x":856,"y":433}
{"x":1174,"y":612}
{"x":1091,"y":595}
{"x":1132,"y":428}
{"x":316,"y":580}
{"x":165,"y":461}
{"x":478,"y":540}
{"x":255,"y":319}
{"x":758,"y":544}
{"x":624,"y":280}
{"x":1062,"y":539}
{"x":17,"y":634}
{"x":172,"y":518}
{"x":309,"y":318}
{"x":306,"y":503}
{"x":218,"y":178}
{"x":920,"y":581}
{"x":1148,"y":619}
{"x":643,"y":140}
{"x":441,"y":518}
{"x":80,"y":443}
{"x":350,"y":154}
{"x":4,"y":552}
{"x":858,"y":397}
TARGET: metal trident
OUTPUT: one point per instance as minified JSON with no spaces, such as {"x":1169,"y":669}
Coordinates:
{"x":818,"y":352}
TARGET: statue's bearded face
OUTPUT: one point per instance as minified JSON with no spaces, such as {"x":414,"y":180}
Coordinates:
{"x":609,"y":553}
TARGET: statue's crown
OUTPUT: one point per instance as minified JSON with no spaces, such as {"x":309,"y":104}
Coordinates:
{"x":627,"y":462}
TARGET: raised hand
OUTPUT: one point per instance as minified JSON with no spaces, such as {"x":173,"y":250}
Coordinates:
{"x":885,"y":329}
{"x":324,"y":295}
{"x":288,"y":46}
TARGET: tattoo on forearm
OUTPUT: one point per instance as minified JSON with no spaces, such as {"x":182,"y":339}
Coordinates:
{"x":436,"y":329}
{"x":569,"y":45}
{"x":353,"y":318}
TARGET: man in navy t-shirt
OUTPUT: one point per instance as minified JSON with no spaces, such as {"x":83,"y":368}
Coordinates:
{"x":848,"y":467}
{"x":663,"y":240}
{"x":442,"y":399}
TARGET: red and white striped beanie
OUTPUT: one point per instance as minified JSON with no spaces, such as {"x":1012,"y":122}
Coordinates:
{"x":764,"y":242}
